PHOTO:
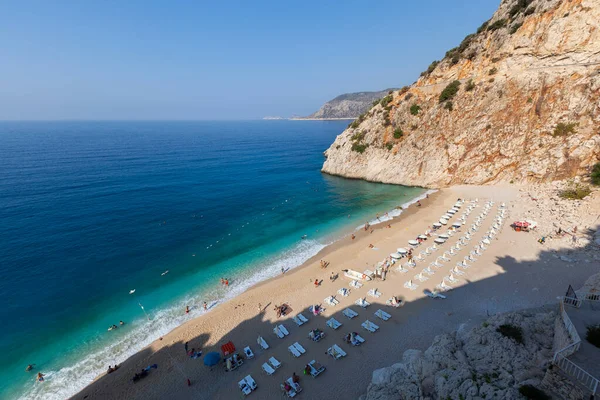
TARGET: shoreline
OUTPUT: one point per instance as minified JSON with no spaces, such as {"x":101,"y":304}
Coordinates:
{"x":502,"y":280}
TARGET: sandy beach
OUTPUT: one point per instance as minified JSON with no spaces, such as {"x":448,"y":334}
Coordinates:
{"x":515,"y":272}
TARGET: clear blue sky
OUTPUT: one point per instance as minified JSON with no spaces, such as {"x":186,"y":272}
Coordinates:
{"x":218,"y":59}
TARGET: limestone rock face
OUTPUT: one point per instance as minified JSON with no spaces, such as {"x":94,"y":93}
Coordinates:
{"x":348,"y":105}
{"x":476,"y":364}
{"x":527,"y":108}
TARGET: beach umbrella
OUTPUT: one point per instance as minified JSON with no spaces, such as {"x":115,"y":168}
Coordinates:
{"x":413,"y":242}
{"x":457,"y":225}
{"x":395,"y":255}
{"x":437,"y":224}
{"x":402,"y":250}
{"x":443,"y":221}
{"x":421,"y":237}
{"x":439,"y":240}
{"x":211,"y":359}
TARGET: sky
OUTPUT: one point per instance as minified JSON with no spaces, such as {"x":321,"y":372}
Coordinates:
{"x":192,"y":60}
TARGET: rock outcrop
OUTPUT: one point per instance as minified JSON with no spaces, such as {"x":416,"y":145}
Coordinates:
{"x":479,"y":363}
{"x":349,"y":105}
{"x":524,"y":106}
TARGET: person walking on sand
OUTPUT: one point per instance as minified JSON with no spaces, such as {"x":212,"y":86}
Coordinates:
{"x":316,"y":283}
{"x":259,"y":307}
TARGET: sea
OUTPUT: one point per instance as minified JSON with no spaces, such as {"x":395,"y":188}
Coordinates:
{"x":102,"y":222}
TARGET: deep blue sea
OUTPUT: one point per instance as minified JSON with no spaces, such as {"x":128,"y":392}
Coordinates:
{"x":92,"y":210}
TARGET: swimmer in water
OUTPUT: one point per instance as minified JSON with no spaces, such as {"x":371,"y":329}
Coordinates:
{"x":29,"y":367}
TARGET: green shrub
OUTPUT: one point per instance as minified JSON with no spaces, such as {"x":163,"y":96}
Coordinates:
{"x":449,"y":106}
{"x":449,"y":91}
{"x":529,"y":11}
{"x":354,"y":124}
{"x":358,"y":136}
{"x":359,"y":147}
{"x":483,"y":27}
{"x":375,"y":102}
{"x":501,"y":23}
{"x":455,"y":59}
{"x":596,"y":174}
{"x":519,"y":7}
{"x":511,"y":331}
{"x":386,"y":100}
{"x":593,"y":335}
{"x":515,"y":27}
{"x":389,"y":145}
{"x":398,"y":133}
{"x":465,"y":43}
{"x":493,"y":71}
{"x":563,"y":129}
{"x":532,"y":393}
{"x":575,"y":192}
{"x":430,"y":68}
{"x":529,"y":100}
{"x":386,"y":121}
{"x":408,"y":96}
{"x":470,"y":85}
{"x":414,"y":109}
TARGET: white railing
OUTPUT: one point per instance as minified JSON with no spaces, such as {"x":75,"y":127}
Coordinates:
{"x":591,"y":296}
{"x":568,"y":324}
{"x":582,"y":377}
{"x":567,"y":351}
{"x":570,"y":301}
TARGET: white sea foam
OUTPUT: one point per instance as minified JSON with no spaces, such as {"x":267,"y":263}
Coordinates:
{"x":68,"y":381}
{"x":397,"y":211}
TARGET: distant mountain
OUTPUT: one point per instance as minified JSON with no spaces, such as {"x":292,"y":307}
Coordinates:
{"x":349,"y":105}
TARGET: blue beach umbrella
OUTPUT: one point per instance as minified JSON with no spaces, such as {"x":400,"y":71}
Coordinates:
{"x":212,"y":359}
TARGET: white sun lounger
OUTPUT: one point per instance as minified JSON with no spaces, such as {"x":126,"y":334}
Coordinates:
{"x":359,"y":339}
{"x":302,"y":318}
{"x":248,"y":352}
{"x":429,"y":271}
{"x":299,"y":347}
{"x":274,"y":362}
{"x":332,"y":301}
{"x":268,"y":369}
{"x":350,"y":313}
{"x":296,"y":386}
{"x":297,"y":320}
{"x":333,"y":323}
{"x":443,"y":258}
{"x":336,"y":352}
{"x":262,"y":343}
{"x":410,"y":285}
{"x":355,"y":284}
{"x":462,"y":265}
{"x":362,"y":302}
{"x":434,"y":294}
{"x":421,"y":277}
{"x":374,"y":293}
{"x":371,"y":327}
{"x":402,"y":269}
{"x":344,"y":292}
{"x":382,"y":315}
{"x":450,"y":278}
{"x":244,"y":387}
{"x":443,"y":287}
{"x":294,"y":351}
{"x":457,"y":271}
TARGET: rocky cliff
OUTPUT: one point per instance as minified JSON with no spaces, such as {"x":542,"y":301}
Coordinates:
{"x":349,"y":105}
{"x":517,"y":100}
{"x":480,"y":363}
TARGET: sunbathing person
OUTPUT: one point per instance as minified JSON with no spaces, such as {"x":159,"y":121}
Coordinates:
{"x":295,"y":378}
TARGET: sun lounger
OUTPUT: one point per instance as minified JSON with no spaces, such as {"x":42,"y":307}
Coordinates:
{"x":248,"y":352}
{"x":332,"y":301}
{"x":251,"y":382}
{"x":462,"y":264}
{"x":244,"y":387}
{"x":262,"y":343}
{"x":350,"y":313}
{"x":294,"y":351}
{"x":443,"y":287}
{"x":283,"y":329}
{"x":277,"y":332}
{"x":437,"y":264}
{"x":297,"y":320}
{"x":443,"y":258}
{"x":374,"y":293}
{"x":402,"y":269}
{"x":315,"y":368}
{"x":390,"y":302}
{"x":344,"y":292}
{"x":410,"y":264}
{"x":429,"y":271}
{"x":421,"y":277}
{"x":333,"y":323}
{"x":299,"y":347}
{"x":410,"y":285}
{"x":434,"y":294}
{"x":336,"y":352}
{"x":450,"y":278}
{"x":362,"y":302}
{"x":355,"y":284}
{"x":268,"y":369}
{"x":382,"y":315}
{"x":457,"y":271}
{"x":274,"y":362}
{"x":296,"y":386}
{"x":359,"y":339}
{"x":302,"y":318}
{"x":371,"y":327}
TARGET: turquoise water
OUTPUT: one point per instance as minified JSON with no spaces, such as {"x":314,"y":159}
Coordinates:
{"x":92,"y":210}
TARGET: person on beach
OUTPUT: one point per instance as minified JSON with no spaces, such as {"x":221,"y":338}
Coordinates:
{"x":353,"y":237}
{"x":259,"y":307}
{"x":205,"y":306}
{"x":316,"y":283}
{"x":295,"y":378}
{"x":418,"y":203}
{"x":371,"y":246}
{"x":282,"y":270}
{"x":186,"y":347}
{"x":187,"y":309}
